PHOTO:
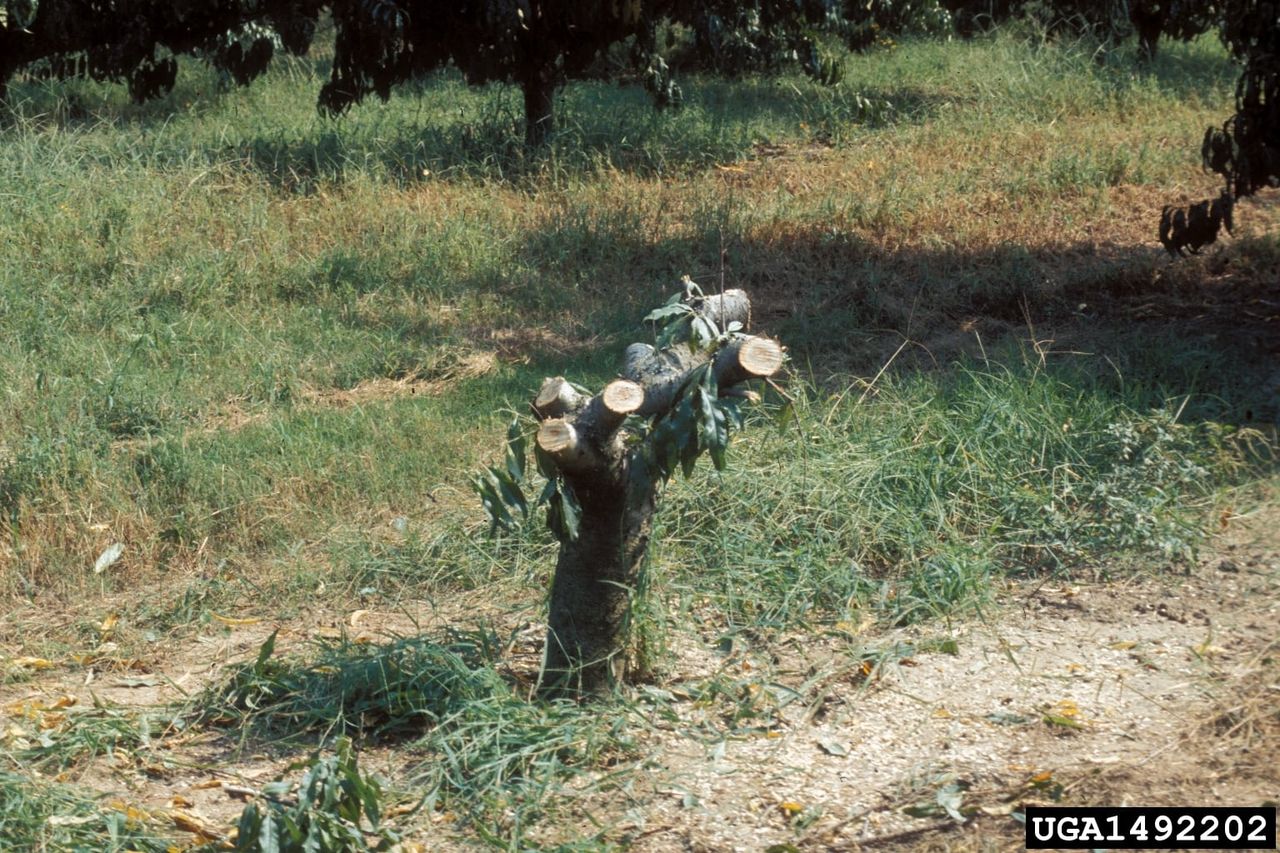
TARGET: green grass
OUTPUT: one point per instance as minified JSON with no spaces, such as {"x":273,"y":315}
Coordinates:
{"x":480,"y":747}
{"x":913,"y":497}
{"x":182,"y":281}
{"x":38,"y":815}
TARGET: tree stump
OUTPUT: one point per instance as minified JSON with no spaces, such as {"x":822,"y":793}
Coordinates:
{"x":615,"y":480}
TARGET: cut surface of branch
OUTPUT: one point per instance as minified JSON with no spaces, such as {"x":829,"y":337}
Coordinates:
{"x":562,"y":442}
{"x":748,"y":358}
{"x":556,"y":398}
{"x":622,"y":397}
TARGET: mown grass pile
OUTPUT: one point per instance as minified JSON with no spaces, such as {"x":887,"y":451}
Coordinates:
{"x":263,"y":351}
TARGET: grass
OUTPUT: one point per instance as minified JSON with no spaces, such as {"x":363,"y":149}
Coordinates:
{"x":38,"y":815}
{"x":914,"y":495}
{"x":263,"y":350}
{"x":482,"y":750}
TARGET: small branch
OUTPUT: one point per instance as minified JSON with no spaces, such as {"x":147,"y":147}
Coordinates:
{"x":748,"y":358}
{"x":562,"y":442}
{"x":556,"y":398}
{"x":620,"y":398}
{"x":725,"y":308}
{"x":741,"y":394}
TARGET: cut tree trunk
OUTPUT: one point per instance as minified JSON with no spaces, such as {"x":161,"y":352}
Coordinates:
{"x":597,"y":573}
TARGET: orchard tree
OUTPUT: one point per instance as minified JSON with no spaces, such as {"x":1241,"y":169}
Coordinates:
{"x":1183,"y":20}
{"x":765,"y":35}
{"x":605,"y":457}
{"x":136,"y":41}
{"x":535,"y":44}
{"x":1245,"y":151}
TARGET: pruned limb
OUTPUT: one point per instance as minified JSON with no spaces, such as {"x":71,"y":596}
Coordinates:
{"x":620,"y":398}
{"x":748,"y":358}
{"x":564,"y":443}
{"x":556,"y":398}
{"x":635,"y":355}
{"x":664,"y":371}
{"x":732,"y":306}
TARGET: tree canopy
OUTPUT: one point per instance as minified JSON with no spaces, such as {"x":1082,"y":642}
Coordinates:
{"x":135,"y":41}
{"x":536,"y":44}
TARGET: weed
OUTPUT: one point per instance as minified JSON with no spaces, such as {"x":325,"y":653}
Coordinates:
{"x":335,"y":810}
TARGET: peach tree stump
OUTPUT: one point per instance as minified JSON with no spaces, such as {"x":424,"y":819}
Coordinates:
{"x":605,"y":456}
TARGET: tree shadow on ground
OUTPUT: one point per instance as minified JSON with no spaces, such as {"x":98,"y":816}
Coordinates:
{"x":1204,"y":330}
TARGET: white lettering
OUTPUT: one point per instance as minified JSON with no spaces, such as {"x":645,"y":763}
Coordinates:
{"x":1091,"y":831}
{"x":1035,"y":827}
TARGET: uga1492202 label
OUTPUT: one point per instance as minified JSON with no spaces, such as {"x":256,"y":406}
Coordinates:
{"x":1151,"y":827}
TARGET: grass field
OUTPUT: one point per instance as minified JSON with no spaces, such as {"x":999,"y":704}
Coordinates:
{"x":263,"y":351}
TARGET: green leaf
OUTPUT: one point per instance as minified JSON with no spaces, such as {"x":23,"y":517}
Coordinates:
{"x":546,"y":465}
{"x":703,"y":332}
{"x":572,"y":511}
{"x":668,"y":312}
{"x":517,"y":454}
{"x":512,"y":494}
{"x":494,"y":505}
{"x":268,"y":837}
{"x":265,"y":651}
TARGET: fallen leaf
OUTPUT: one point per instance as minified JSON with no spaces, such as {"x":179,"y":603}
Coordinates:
{"x":69,"y":820}
{"x":231,"y":620}
{"x":108,"y":624}
{"x":1064,"y":722}
{"x":356,"y":615}
{"x":108,"y":558}
{"x":33,"y":663}
{"x":831,"y":746}
{"x":790,"y":808}
{"x":145,"y":681}
{"x":191,"y":822}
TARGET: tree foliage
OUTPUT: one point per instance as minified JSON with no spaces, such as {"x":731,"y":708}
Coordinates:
{"x":136,"y":42}
{"x":767,"y":35}
{"x":536,"y":44}
{"x":1245,"y":150}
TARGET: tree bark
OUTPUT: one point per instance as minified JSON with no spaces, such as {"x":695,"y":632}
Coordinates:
{"x":598,"y":573}
{"x":539,"y":107}
{"x":596,"y":577}
{"x":1148,"y":22}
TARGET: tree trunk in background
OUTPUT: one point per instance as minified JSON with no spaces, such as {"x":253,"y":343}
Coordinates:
{"x":539,"y":107}
{"x":1148,"y":22}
